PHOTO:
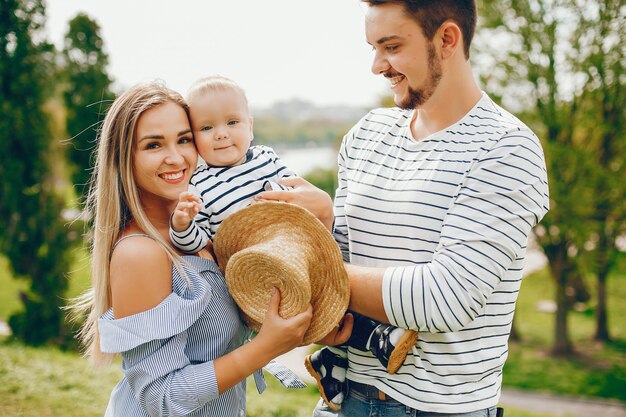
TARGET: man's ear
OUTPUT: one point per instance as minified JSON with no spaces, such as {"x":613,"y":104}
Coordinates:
{"x":450,"y":39}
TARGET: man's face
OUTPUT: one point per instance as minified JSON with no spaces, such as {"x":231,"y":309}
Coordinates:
{"x":403,"y":55}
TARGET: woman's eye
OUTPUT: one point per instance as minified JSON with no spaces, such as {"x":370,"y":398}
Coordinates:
{"x":391,"y":48}
{"x":152,"y":145}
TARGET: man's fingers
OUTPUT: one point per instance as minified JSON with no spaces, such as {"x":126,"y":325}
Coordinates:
{"x":293,"y":181}
{"x":277,"y":195}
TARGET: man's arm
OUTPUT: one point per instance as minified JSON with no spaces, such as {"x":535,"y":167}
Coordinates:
{"x":366,"y":295}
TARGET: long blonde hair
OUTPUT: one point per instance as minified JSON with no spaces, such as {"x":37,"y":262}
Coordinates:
{"x":113,"y":201}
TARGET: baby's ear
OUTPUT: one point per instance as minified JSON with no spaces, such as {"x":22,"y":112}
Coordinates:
{"x":251,"y":120}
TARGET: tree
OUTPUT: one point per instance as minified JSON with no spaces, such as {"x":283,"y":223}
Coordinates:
{"x":32,"y":233}
{"x":601,"y":33}
{"x":541,"y":55}
{"x":553,"y":62}
{"x":87,"y":94}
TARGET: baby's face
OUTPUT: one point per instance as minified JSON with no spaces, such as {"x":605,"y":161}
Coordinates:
{"x":222,"y":127}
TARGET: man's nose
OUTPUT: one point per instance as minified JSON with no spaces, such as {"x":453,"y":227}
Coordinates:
{"x":380,"y":64}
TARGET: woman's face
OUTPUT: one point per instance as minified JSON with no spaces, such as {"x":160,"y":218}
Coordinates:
{"x":165,"y":156}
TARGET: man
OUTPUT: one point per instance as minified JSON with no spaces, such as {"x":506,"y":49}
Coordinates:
{"x":435,"y":203}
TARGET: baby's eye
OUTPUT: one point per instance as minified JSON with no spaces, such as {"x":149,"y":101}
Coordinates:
{"x":206,"y":128}
{"x":233,"y":122}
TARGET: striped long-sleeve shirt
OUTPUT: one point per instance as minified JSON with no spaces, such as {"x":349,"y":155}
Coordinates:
{"x":224,"y":190}
{"x":449,"y":217}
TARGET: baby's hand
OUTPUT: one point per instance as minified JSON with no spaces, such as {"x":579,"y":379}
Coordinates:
{"x":188,"y":206}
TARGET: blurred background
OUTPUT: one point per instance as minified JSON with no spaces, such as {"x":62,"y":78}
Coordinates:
{"x":558,"y":65}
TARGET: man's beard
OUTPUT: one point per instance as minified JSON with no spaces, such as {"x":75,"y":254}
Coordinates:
{"x":417,"y":97}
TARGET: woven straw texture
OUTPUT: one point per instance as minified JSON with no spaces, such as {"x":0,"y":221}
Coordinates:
{"x":282,"y":245}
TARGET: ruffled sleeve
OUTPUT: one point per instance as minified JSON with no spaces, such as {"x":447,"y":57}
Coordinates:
{"x":162,"y":379}
{"x":173,"y":315}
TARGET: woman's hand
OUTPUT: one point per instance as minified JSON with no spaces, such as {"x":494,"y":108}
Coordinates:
{"x":279,"y":335}
{"x":303,"y":194}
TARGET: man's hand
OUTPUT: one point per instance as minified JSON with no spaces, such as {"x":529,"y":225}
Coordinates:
{"x":188,"y":206}
{"x":303,"y":194}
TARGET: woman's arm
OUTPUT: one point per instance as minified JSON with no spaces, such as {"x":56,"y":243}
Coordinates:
{"x":277,"y":336}
{"x":162,"y":378}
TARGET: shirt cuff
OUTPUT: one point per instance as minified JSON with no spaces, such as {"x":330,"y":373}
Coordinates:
{"x":206,"y":381}
{"x":182,"y":240}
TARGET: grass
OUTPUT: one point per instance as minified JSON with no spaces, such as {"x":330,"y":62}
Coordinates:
{"x":45,"y":382}
{"x":594,"y":370}
{"x":42,"y":382}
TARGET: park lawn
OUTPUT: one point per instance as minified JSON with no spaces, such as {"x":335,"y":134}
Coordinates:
{"x":41,"y":382}
{"x":45,"y":382}
{"x":594,"y":370}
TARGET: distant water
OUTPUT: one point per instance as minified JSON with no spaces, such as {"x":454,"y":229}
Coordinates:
{"x":305,"y":160}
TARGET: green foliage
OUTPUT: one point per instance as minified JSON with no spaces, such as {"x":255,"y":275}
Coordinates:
{"x":32,"y":234}
{"x":564,"y":69}
{"x":297,"y":134}
{"x":325,"y":179}
{"x":87,"y":94}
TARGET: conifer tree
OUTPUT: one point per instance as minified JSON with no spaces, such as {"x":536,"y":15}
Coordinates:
{"x":33,"y":235}
{"x":87,"y":94}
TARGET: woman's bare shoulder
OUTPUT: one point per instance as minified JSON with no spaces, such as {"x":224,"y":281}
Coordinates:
{"x":140,"y":275}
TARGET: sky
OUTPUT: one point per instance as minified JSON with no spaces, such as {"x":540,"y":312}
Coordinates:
{"x":276,"y":50}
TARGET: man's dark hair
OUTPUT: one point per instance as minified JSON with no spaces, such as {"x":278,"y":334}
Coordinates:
{"x":430,"y":15}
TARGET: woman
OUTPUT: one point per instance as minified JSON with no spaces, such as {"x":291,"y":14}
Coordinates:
{"x":171,"y":318}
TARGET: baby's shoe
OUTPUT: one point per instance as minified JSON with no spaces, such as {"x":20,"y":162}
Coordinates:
{"x":329,"y":370}
{"x":391,"y":344}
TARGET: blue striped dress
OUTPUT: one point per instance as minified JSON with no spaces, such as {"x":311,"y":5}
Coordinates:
{"x":168,"y":351}
{"x":449,"y":218}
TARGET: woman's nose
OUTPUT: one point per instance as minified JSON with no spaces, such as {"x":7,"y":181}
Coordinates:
{"x":174,"y":157}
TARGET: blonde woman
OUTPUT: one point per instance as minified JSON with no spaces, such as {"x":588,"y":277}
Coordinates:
{"x":170,"y":317}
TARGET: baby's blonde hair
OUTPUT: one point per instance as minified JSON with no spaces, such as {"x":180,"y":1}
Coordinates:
{"x":214,"y":83}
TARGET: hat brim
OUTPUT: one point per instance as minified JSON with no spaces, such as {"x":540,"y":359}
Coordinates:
{"x":283,"y":245}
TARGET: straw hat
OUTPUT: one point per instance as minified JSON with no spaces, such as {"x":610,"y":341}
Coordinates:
{"x":282,"y":245}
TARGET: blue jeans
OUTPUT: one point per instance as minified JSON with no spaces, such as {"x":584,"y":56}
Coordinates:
{"x":356,"y":405}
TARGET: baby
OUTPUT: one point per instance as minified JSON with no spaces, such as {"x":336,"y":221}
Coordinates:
{"x":233,"y":173}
